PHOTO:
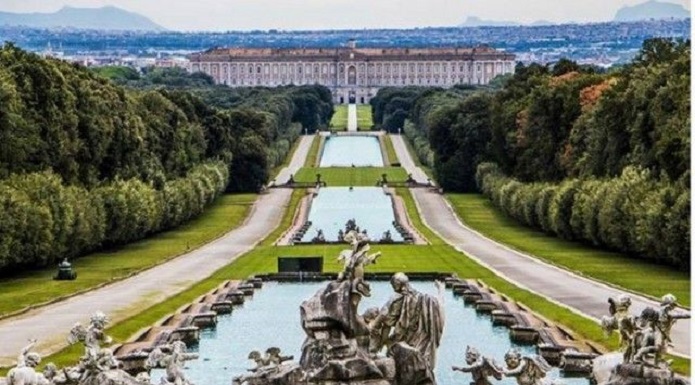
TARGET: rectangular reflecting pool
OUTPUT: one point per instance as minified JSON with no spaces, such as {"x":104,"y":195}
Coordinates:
{"x":371,"y":209}
{"x":347,"y":151}
{"x":271,"y":318}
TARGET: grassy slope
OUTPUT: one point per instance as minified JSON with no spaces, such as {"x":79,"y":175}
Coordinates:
{"x":364,"y":117}
{"x":350,"y":176}
{"x":36,"y":287}
{"x":434,"y":257}
{"x":339,"y":119}
{"x":614,"y":268}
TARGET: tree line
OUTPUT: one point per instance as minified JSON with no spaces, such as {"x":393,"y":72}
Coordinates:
{"x":88,"y":163}
{"x":585,"y":154}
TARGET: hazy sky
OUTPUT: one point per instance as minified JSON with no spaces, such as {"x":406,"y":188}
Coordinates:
{"x":215,"y":15}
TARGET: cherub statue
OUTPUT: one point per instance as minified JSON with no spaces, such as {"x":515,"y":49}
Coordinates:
{"x":528,"y":370}
{"x":667,"y":318}
{"x":92,"y":336}
{"x":480,"y":367}
{"x":643,"y":343}
{"x":25,"y":371}
{"x":171,"y":357}
{"x":274,"y":357}
{"x":354,"y":261}
{"x":265,"y":365}
{"x":621,"y":320}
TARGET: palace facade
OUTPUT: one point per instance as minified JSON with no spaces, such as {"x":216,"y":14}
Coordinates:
{"x":352,"y":74}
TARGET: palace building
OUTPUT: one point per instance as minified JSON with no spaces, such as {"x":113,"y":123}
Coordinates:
{"x":354,"y":75}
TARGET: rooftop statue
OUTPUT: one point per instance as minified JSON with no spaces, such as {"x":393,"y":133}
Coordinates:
{"x":480,"y":367}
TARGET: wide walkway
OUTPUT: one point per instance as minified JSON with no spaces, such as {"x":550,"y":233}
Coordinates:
{"x":579,"y":294}
{"x":352,"y":117}
{"x":50,"y":324}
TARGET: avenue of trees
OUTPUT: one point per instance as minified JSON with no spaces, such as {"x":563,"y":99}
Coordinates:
{"x":599,"y":157}
{"x":86,"y":163}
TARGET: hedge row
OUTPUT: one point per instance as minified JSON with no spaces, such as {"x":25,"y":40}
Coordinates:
{"x":634,"y":213}
{"x":44,"y":220}
{"x":420,"y":144}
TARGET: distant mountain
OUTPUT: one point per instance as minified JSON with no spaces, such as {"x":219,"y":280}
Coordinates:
{"x":652,"y":9}
{"x":105,"y":18}
{"x":473,"y":21}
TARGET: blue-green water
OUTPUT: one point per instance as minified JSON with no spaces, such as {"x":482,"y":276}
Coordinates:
{"x":371,"y":209}
{"x":271,"y":318}
{"x":346,"y":151}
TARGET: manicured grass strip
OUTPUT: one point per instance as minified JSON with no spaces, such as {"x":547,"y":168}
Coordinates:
{"x":312,"y":156}
{"x":364,"y":117}
{"x":36,"y":287}
{"x":614,"y":268}
{"x":415,"y":218}
{"x":350,"y":176}
{"x":340,"y":118}
{"x":390,"y":151}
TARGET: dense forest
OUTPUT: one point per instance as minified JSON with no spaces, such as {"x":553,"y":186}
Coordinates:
{"x":603,"y":158}
{"x":88,"y":163}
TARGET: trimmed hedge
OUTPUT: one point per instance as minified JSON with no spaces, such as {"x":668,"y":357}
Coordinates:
{"x":634,"y":213}
{"x":44,"y":220}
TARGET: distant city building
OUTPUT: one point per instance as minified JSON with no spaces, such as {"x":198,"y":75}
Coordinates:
{"x":352,"y":74}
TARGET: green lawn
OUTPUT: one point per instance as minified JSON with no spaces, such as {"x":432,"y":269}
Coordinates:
{"x":390,"y":151}
{"x":31,"y":288}
{"x":350,"y":176}
{"x":312,"y":157}
{"x":435,"y":257}
{"x":339,"y":119}
{"x":364,"y":117}
{"x":610,"y":267}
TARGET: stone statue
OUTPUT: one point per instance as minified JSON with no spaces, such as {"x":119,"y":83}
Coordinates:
{"x":643,"y":343}
{"x":92,"y":336}
{"x":665,"y":322}
{"x":172,"y":357}
{"x":319,"y":238}
{"x":480,"y":367}
{"x":528,"y":370}
{"x":270,"y":366}
{"x":411,"y":318}
{"x":354,"y":262}
{"x":621,"y":320}
{"x":25,"y":371}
